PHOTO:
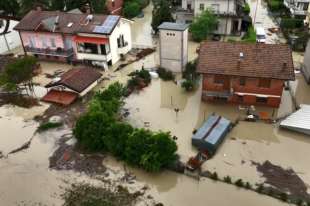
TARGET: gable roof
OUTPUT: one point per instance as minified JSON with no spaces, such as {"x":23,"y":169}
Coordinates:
{"x":77,"y":79}
{"x":42,"y":20}
{"x":244,"y":59}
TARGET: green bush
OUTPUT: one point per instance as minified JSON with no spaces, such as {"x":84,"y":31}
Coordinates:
{"x":283,"y":196}
{"x":151,"y":151}
{"x":291,"y":23}
{"x":260,"y":188}
{"x":139,"y":77}
{"x":250,"y":36}
{"x":227,"y":179}
{"x":214,"y":176}
{"x":131,"y":9}
{"x":188,"y":85}
{"x":246,"y":8}
{"x":300,"y":202}
{"x":239,"y":183}
{"x":164,"y":74}
{"x":275,"y":5}
{"x":248,"y":185}
{"x":48,"y":125}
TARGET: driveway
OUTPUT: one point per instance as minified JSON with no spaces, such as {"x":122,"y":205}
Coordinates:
{"x":262,"y":18}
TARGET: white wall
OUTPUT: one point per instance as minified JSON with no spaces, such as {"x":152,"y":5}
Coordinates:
{"x":124,"y":28}
{"x":227,"y":6}
{"x":171,"y":49}
{"x":13,"y":38}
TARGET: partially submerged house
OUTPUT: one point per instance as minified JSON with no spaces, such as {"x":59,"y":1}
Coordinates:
{"x":229,"y":12}
{"x":243,"y":73}
{"x":71,"y":85}
{"x":299,"y":121}
{"x":211,"y":134}
{"x":173,"y":46}
{"x":97,"y":39}
{"x":298,"y":8}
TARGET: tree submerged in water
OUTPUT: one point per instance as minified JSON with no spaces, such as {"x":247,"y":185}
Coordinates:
{"x":161,"y":13}
{"x":17,"y":76}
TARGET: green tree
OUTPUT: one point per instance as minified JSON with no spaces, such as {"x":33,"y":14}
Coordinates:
{"x":28,"y":5}
{"x":203,"y":25}
{"x":131,"y":9}
{"x":161,"y":13}
{"x":91,"y":129}
{"x":17,"y":74}
{"x":117,"y":137}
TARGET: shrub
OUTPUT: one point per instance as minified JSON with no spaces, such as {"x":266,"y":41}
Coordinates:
{"x":239,"y":183}
{"x":188,"y":85}
{"x":139,"y":79}
{"x":291,"y":23}
{"x":227,"y":179}
{"x":248,"y":185}
{"x":164,"y":74}
{"x":250,"y":36}
{"x":270,"y":192}
{"x":283,"y":196}
{"x":260,"y":188}
{"x":300,"y":202}
{"x":214,"y":176}
{"x":308,"y":203}
{"x":90,"y":130}
{"x":151,"y":151}
{"x":48,"y":125}
{"x":246,"y":8}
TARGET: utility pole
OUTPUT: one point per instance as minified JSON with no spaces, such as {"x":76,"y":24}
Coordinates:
{"x":254,"y":20}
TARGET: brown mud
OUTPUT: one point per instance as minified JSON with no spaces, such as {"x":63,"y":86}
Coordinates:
{"x":286,"y":180}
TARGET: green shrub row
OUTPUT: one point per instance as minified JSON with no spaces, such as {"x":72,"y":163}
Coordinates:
{"x":291,"y":23}
{"x":100,"y":130}
{"x":164,"y":74}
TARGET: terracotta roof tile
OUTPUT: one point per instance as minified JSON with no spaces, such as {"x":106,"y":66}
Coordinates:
{"x":259,"y":60}
{"x":77,"y":79}
{"x":34,"y":21}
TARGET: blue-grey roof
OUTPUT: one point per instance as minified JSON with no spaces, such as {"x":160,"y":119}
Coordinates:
{"x":213,"y":129}
{"x":173,"y":26}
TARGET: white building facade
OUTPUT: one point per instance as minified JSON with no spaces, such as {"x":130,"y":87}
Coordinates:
{"x":11,"y":40}
{"x":229,"y":13}
{"x":173,"y":49}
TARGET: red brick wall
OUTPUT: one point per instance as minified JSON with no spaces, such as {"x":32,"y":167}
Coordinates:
{"x":251,"y":86}
{"x":117,"y":8}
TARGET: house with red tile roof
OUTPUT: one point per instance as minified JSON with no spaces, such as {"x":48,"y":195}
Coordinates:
{"x":71,"y":85}
{"x":243,"y":73}
{"x":96,"y":39}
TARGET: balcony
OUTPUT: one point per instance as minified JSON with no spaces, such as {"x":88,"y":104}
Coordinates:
{"x":222,"y":94}
{"x":93,"y":56}
{"x":50,"y":52}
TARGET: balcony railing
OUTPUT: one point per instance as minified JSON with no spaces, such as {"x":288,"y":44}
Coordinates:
{"x":218,"y":93}
{"x":50,"y":52}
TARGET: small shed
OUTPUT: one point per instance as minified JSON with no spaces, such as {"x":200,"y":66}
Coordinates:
{"x":211,"y":134}
{"x":173,"y":48}
{"x":299,"y":121}
{"x":71,"y":85}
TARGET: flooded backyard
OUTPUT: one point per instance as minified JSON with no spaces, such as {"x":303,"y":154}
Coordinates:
{"x":26,"y":177}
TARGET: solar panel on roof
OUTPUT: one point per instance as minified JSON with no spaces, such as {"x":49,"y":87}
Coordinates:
{"x":107,"y":25}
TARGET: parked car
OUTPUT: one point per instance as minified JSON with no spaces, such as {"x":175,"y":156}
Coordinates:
{"x":260,"y":35}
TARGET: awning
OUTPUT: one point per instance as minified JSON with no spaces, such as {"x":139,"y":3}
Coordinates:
{"x":94,"y":40}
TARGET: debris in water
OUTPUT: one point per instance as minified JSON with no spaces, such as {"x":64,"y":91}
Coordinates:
{"x":1,"y":155}
{"x":23,"y":147}
{"x":285,"y":180}
{"x":67,"y":158}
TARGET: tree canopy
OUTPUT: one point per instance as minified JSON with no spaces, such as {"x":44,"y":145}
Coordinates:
{"x":20,"y":71}
{"x":203,"y":25}
{"x":161,"y":13}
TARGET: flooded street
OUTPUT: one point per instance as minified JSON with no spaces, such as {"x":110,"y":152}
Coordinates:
{"x":26,"y":179}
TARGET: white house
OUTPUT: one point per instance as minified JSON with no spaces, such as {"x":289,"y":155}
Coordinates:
{"x":297,"y":7}
{"x":10,"y":40}
{"x":173,"y":40}
{"x":96,"y":39}
{"x":229,"y":12}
